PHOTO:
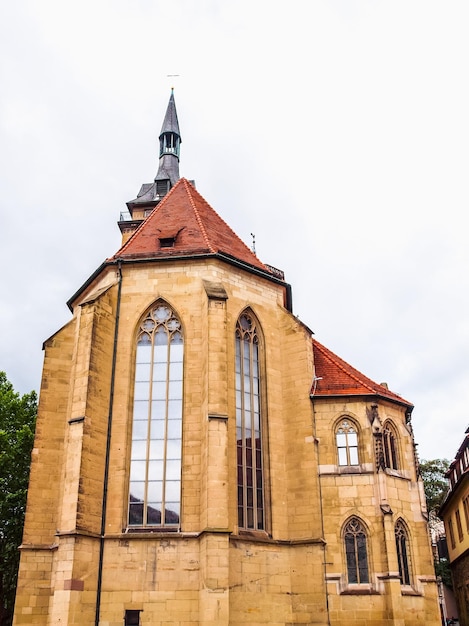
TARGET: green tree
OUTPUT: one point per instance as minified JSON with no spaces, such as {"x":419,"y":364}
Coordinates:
{"x":436,"y":486}
{"x":433,"y":474}
{"x":17,"y":423}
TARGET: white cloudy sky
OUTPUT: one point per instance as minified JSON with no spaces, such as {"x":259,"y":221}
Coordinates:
{"x":335,"y":131}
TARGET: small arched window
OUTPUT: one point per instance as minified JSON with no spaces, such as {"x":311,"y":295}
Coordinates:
{"x":356,"y":552}
{"x":403,"y":553}
{"x":249,"y":436}
{"x":347,"y":443}
{"x":390,"y":447}
{"x":155,"y":463}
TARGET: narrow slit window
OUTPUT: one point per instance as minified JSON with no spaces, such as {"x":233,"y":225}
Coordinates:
{"x":251,"y":489}
{"x":451,"y":533}
{"x":390,"y":447}
{"x":403,"y":553}
{"x":465,"y":503}
{"x":459,"y":526}
{"x":356,"y":552}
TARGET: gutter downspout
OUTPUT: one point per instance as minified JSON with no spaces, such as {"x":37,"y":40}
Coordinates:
{"x":108,"y":450}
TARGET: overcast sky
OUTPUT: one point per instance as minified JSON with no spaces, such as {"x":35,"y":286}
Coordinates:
{"x":335,"y":131}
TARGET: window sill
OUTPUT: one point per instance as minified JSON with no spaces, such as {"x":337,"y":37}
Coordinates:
{"x":408,"y":590}
{"x":151,"y":530}
{"x":396,"y":473}
{"x":253,"y":535}
{"x":334,"y":470}
{"x":350,"y":469}
{"x":365,"y":589}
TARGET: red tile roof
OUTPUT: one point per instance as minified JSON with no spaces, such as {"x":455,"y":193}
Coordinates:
{"x":198,"y":230}
{"x":335,"y":377}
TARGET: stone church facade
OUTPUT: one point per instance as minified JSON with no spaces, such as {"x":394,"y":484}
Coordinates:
{"x":201,"y":459}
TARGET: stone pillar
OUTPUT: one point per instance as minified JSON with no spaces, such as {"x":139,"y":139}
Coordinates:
{"x":214,"y":572}
{"x":39,"y":546}
{"x":214,"y":550}
{"x":390,"y":578}
{"x":74,"y":574}
{"x":216,"y":427}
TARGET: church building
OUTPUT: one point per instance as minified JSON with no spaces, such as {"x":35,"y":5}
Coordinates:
{"x":201,"y":459}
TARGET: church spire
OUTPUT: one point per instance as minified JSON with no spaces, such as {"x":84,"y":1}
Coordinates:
{"x":170,"y":141}
{"x":166,"y":177}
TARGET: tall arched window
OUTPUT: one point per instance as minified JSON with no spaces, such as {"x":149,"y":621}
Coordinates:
{"x":356,"y":552}
{"x":403,"y":553}
{"x":347,"y":443}
{"x":390,"y":447}
{"x":155,"y":464}
{"x":251,"y":513}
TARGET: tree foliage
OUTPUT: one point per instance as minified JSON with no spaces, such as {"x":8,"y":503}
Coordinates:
{"x":17,"y":423}
{"x":436,"y":487}
{"x":434,"y":481}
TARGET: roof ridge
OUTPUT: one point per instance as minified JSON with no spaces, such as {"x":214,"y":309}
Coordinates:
{"x":187,"y":187}
{"x":229,"y":228}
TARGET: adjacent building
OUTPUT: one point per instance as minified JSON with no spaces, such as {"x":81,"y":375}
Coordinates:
{"x":455,"y":514}
{"x":202,"y":459}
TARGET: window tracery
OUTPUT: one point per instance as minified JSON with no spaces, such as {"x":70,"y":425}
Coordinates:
{"x":347,"y":443}
{"x":390,"y":454}
{"x":356,"y":552}
{"x":249,"y":438}
{"x":155,"y":463}
{"x":403,"y":553}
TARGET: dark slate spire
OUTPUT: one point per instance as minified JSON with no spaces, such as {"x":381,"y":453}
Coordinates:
{"x":170,"y":141}
{"x":166,"y":177}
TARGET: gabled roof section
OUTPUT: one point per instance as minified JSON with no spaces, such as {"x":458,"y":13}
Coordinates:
{"x":184,"y":224}
{"x":335,"y":377}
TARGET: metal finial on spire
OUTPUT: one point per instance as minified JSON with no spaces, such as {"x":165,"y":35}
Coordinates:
{"x":172,"y":76}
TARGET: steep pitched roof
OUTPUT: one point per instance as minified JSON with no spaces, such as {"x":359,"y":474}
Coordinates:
{"x":335,"y":377}
{"x":196,"y":228}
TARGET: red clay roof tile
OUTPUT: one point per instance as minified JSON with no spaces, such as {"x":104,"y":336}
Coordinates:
{"x":197,"y":227}
{"x":185,"y":215}
{"x":335,"y":377}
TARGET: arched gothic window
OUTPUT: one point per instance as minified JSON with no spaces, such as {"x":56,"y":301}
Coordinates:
{"x":356,"y":552}
{"x":390,"y":447}
{"x":251,"y":509}
{"x":155,"y":463}
{"x":403,"y":553}
{"x":347,"y":443}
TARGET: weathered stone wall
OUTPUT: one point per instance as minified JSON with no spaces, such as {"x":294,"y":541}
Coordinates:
{"x":35,"y":582}
{"x":209,"y":573}
{"x":379,"y":499}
